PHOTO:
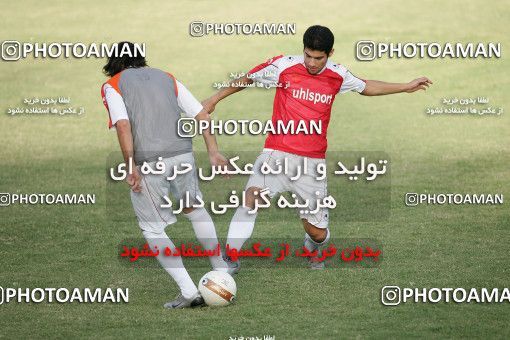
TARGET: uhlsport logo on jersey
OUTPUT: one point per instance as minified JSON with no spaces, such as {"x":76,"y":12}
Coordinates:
{"x":311,"y":96}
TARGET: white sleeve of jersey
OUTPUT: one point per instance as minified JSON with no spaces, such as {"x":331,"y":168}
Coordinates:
{"x":187,"y":102}
{"x":268,"y":73}
{"x":267,"y":76}
{"x":116,"y":105}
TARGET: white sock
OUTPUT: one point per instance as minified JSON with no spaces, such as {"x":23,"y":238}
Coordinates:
{"x":206,"y":234}
{"x":241,"y":227}
{"x":172,"y":264}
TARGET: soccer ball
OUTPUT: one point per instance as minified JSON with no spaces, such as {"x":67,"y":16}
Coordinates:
{"x":217,"y":288}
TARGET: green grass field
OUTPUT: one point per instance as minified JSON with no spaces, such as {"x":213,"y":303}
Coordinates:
{"x":425,"y":246}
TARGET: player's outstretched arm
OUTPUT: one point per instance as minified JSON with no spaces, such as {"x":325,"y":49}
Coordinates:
{"x":378,"y":88}
{"x":235,"y":86}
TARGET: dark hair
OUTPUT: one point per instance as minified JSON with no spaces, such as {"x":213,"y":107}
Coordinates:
{"x":120,"y":61}
{"x":318,"y":38}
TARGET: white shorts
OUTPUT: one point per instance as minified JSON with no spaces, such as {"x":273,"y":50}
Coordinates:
{"x":305,"y":187}
{"x":147,"y":203}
